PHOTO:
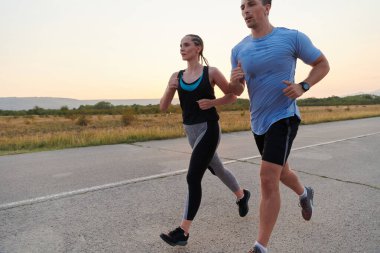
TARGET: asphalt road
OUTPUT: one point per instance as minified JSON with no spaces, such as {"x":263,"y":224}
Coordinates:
{"x":119,"y":198}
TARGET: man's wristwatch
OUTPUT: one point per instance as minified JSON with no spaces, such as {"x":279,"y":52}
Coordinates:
{"x":305,"y":86}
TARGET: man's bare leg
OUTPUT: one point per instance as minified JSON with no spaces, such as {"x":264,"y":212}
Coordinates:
{"x":270,"y":174}
{"x":290,"y":179}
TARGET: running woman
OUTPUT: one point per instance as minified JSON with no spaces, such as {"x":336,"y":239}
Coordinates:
{"x":195,"y":86}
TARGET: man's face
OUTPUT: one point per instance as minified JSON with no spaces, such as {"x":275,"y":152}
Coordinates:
{"x":254,"y":12}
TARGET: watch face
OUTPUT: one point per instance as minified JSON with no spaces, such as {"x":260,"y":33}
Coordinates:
{"x":305,"y":86}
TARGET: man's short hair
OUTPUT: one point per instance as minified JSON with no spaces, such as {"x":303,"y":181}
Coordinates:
{"x":266,"y":2}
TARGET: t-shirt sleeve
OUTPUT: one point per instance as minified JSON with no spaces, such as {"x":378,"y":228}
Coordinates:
{"x":234,"y":60}
{"x":306,"y":51}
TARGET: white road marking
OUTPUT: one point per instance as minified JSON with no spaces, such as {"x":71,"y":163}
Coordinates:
{"x":141,"y":179}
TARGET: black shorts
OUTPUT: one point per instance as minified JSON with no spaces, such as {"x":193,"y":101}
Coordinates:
{"x":275,"y":144}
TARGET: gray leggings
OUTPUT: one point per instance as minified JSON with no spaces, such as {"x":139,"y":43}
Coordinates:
{"x":200,"y":134}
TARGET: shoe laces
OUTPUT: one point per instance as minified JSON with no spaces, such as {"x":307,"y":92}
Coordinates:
{"x":176,"y":231}
{"x":239,"y":201}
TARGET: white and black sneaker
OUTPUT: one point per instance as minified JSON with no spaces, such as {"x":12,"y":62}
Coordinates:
{"x":306,"y":204}
{"x":255,"y":250}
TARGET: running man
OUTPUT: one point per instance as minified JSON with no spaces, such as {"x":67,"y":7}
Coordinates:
{"x":265,"y":60}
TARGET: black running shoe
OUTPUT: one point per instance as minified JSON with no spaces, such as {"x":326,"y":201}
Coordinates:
{"x":175,"y":237}
{"x":306,"y":204}
{"x":255,"y":250}
{"x":243,"y":203}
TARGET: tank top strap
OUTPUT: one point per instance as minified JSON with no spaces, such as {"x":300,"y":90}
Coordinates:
{"x":180,"y":73}
{"x":205,"y":71}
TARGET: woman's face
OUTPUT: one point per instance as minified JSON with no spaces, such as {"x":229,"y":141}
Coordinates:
{"x":188,"y":49}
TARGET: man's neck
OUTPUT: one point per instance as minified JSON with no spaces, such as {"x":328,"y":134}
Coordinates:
{"x":261,"y":31}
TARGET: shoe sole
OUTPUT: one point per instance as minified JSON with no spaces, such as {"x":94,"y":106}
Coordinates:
{"x":307,"y":216}
{"x":179,"y":243}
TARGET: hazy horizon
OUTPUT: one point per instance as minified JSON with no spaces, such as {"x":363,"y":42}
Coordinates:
{"x":374,"y":92}
{"x":27,"y":103}
{"x":128,"y":49}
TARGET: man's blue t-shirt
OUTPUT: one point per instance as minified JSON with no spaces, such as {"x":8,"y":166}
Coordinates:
{"x":266,"y":62}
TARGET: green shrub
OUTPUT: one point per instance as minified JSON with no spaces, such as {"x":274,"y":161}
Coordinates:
{"x":82,"y":121}
{"x":127,"y":118}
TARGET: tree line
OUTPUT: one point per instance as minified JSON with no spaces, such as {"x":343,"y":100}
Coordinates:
{"x":104,"y":107}
{"x":364,"y":99}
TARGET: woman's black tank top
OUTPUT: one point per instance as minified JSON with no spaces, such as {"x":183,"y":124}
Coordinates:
{"x":191,"y":113}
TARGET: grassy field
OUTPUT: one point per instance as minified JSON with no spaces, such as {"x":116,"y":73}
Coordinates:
{"x":35,"y":133}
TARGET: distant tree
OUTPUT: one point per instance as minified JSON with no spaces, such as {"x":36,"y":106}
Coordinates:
{"x":36,"y":111}
{"x":103,"y":105}
{"x":64,"y":110}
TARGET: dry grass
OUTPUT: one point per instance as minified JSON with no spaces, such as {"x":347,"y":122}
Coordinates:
{"x":21,"y":134}
{"x":317,"y":114}
{"x":25,"y":134}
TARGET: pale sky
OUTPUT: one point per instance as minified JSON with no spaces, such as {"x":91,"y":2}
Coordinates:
{"x":124,"y":49}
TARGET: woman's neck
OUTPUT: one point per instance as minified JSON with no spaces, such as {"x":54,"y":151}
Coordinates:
{"x":193,"y":66}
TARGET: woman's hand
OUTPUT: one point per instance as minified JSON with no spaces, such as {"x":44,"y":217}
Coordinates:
{"x":173,"y":82}
{"x":170,"y":90}
{"x":205,"y":104}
